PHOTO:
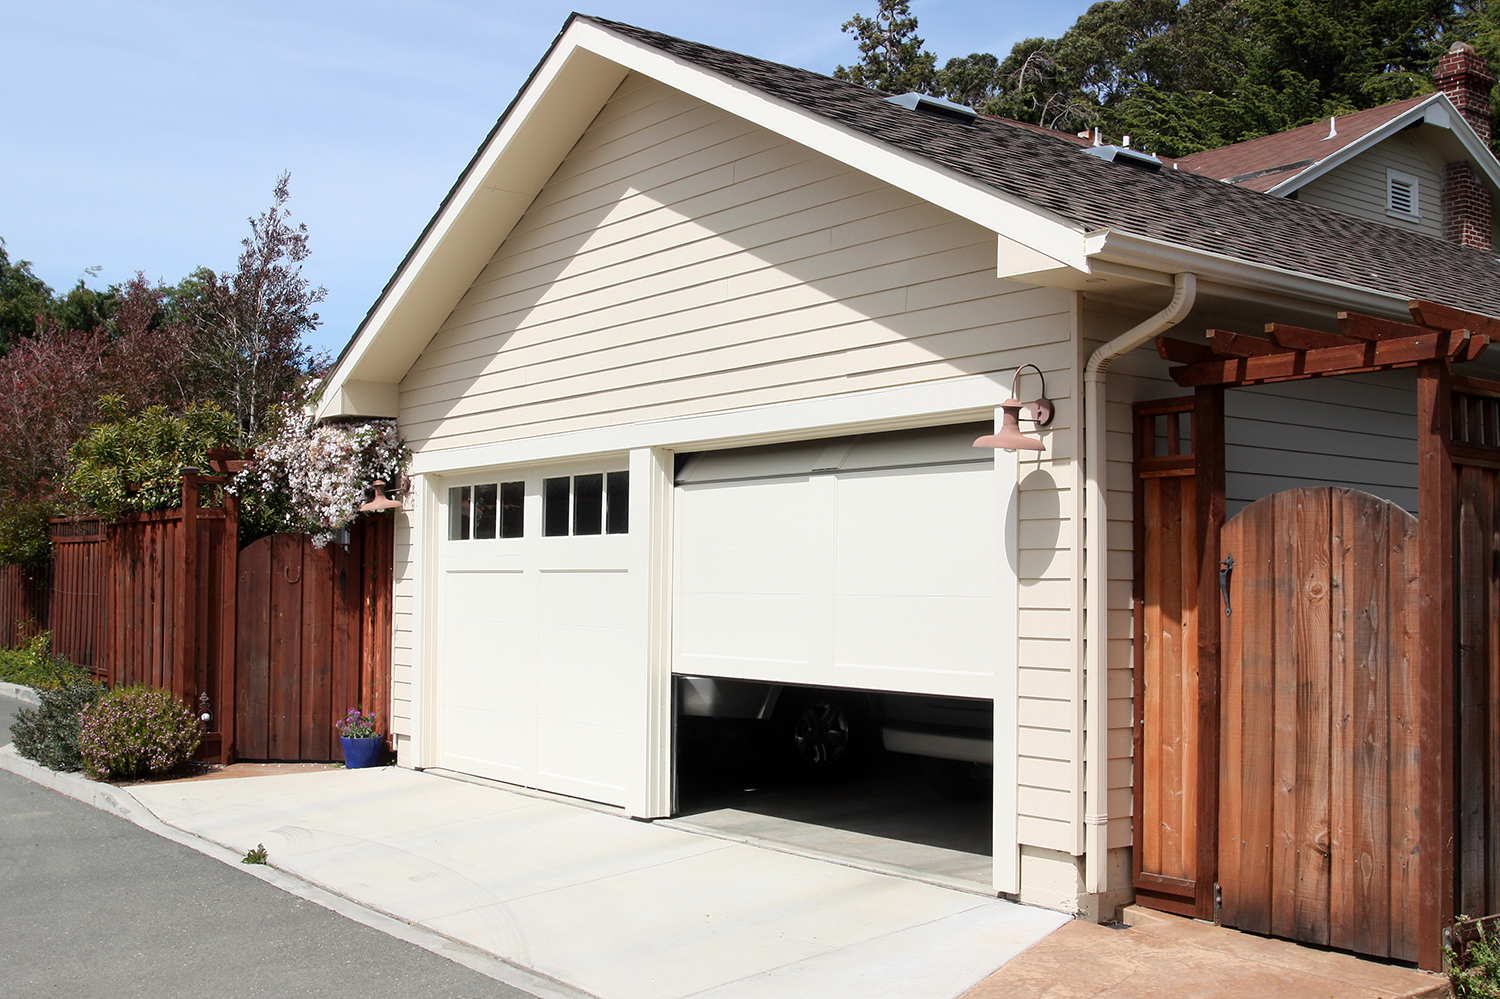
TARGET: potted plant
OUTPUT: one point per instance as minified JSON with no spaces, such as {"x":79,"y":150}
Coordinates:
{"x":361,"y":738}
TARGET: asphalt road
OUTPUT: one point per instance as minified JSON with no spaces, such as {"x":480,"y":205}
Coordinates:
{"x":92,"y":905}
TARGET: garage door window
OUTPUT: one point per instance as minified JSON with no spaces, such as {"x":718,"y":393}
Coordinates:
{"x":486,"y":511}
{"x":596,"y":503}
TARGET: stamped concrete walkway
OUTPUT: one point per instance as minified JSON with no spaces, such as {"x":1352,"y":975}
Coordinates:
{"x":1157,"y":956}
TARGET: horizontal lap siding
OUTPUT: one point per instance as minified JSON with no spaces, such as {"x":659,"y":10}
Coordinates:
{"x":680,"y":262}
{"x":1357,"y":431}
{"x":1359,"y":186}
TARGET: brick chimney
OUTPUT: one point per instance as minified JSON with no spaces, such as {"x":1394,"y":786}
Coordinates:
{"x":1467,"y":208}
{"x":1464,"y":77}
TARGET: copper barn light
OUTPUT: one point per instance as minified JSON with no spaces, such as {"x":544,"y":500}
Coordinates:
{"x":1009,"y":436}
{"x":381,"y":502}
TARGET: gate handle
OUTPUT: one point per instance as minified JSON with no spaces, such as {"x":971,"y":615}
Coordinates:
{"x":1225,"y":567}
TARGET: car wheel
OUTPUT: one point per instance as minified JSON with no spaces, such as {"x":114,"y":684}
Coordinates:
{"x":819,"y":733}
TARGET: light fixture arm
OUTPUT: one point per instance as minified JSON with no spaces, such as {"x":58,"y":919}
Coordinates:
{"x":1042,"y":409}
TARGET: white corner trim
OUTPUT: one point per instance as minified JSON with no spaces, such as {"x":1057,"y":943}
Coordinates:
{"x":972,"y":397}
{"x":1006,"y":834}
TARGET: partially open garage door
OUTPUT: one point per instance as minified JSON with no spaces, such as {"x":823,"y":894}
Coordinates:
{"x":868,"y":562}
{"x":536,"y":604}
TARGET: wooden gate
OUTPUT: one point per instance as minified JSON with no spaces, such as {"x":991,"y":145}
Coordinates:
{"x":313,"y":640}
{"x":1319,"y":780}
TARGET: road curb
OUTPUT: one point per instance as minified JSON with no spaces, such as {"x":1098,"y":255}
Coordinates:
{"x":120,"y":802}
{"x":16,"y":692}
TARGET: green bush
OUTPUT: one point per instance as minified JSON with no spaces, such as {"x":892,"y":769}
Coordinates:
{"x":1477,"y":974}
{"x":33,"y":665}
{"x":130,"y":463}
{"x":135,"y":731}
{"x":49,"y":734}
{"x":25,"y":534}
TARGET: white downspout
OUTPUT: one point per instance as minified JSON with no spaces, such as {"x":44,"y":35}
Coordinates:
{"x":1096,"y":599}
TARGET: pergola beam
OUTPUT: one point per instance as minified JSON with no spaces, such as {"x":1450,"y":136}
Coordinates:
{"x":1348,"y":359}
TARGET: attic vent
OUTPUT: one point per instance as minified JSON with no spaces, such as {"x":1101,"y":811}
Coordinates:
{"x":1123,"y":154}
{"x":1403,"y":193}
{"x":936,"y":107}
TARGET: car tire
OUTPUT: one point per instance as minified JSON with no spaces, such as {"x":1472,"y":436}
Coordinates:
{"x":819,"y":734}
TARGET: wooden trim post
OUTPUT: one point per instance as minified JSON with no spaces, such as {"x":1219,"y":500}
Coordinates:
{"x":184,"y":662}
{"x":229,"y":576}
{"x":1208,"y":448}
{"x":1437,"y":541}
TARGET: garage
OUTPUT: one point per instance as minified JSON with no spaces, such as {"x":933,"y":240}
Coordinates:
{"x":834,"y":599}
{"x":535,"y":602}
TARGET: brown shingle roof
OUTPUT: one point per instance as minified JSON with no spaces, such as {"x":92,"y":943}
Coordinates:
{"x":1260,"y":164}
{"x":1176,"y":206}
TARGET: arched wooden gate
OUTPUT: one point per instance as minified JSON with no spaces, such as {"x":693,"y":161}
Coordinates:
{"x":1316,"y":756}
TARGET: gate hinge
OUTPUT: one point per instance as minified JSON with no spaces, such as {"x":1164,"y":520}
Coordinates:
{"x":1218,"y":902}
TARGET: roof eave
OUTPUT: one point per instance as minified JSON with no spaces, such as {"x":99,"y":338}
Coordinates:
{"x":1113,"y":250}
{"x":1478,"y":153}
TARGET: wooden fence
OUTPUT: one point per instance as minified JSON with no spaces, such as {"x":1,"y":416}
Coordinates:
{"x":158,"y":599}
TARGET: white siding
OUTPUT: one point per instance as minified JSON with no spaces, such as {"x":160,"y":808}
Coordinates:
{"x":683,"y":262}
{"x":1358,"y":187}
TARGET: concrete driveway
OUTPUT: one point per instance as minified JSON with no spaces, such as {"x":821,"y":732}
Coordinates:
{"x":618,"y":908}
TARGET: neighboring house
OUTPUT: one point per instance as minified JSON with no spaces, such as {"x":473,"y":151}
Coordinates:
{"x":689,"y":360}
{"x":1422,"y":164}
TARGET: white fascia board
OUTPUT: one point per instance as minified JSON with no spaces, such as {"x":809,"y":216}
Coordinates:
{"x":505,"y":176}
{"x":1437,"y":111}
{"x":956,"y":400}
{"x":1047,"y":234}
{"x":1232,"y":273}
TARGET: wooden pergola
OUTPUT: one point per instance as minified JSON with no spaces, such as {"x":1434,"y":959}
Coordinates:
{"x":1455,"y":579}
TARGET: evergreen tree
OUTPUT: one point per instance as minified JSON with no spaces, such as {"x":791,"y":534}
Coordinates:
{"x":892,"y":58}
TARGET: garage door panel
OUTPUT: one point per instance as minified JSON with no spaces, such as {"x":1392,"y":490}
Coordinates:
{"x":589,"y":761}
{"x":598,"y":598}
{"x":771,"y":627}
{"x":503,"y":739}
{"x":860,"y":573}
{"x":918,"y":531}
{"x":946,"y":643}
{"x":756,"y":537}
{"x":584,"y":675}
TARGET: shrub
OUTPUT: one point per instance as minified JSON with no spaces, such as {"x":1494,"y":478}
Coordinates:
{"x":135,"y":731}
{"x":49,"y":734}
{"x":1475,"y":974}
{"x":25,"y":534}
{"x":130,"y":463}
{"x":33,"y":665}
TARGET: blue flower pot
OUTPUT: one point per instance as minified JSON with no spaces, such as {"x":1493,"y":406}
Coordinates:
{"x":359,"y":753}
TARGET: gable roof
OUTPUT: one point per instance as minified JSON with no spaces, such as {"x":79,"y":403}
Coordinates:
{"x":1060,"y":214}
{"x":1173,"y":206}
{"x":1272,"y":160}
{"x":1281,"y":163}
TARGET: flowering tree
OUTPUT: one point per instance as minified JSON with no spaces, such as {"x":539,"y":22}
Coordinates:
{"x":310,"y":477}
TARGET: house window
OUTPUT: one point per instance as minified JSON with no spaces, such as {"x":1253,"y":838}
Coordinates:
{"x":490,"y":510}
{"x":1402,"y":195}
{"x":596,"y":503}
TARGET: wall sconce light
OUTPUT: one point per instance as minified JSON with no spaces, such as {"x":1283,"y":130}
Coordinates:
{"x":381,"y":502}
{"x":1010,"y":437}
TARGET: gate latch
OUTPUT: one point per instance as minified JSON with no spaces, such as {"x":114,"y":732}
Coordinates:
{"x":1225,"y":567}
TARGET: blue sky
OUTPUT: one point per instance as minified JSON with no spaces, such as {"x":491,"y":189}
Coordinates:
{"x":143,"y":135}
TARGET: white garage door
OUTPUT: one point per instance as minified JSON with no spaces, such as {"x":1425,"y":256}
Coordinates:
{"x":871,"y":562}
{"x":536,"y":643}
